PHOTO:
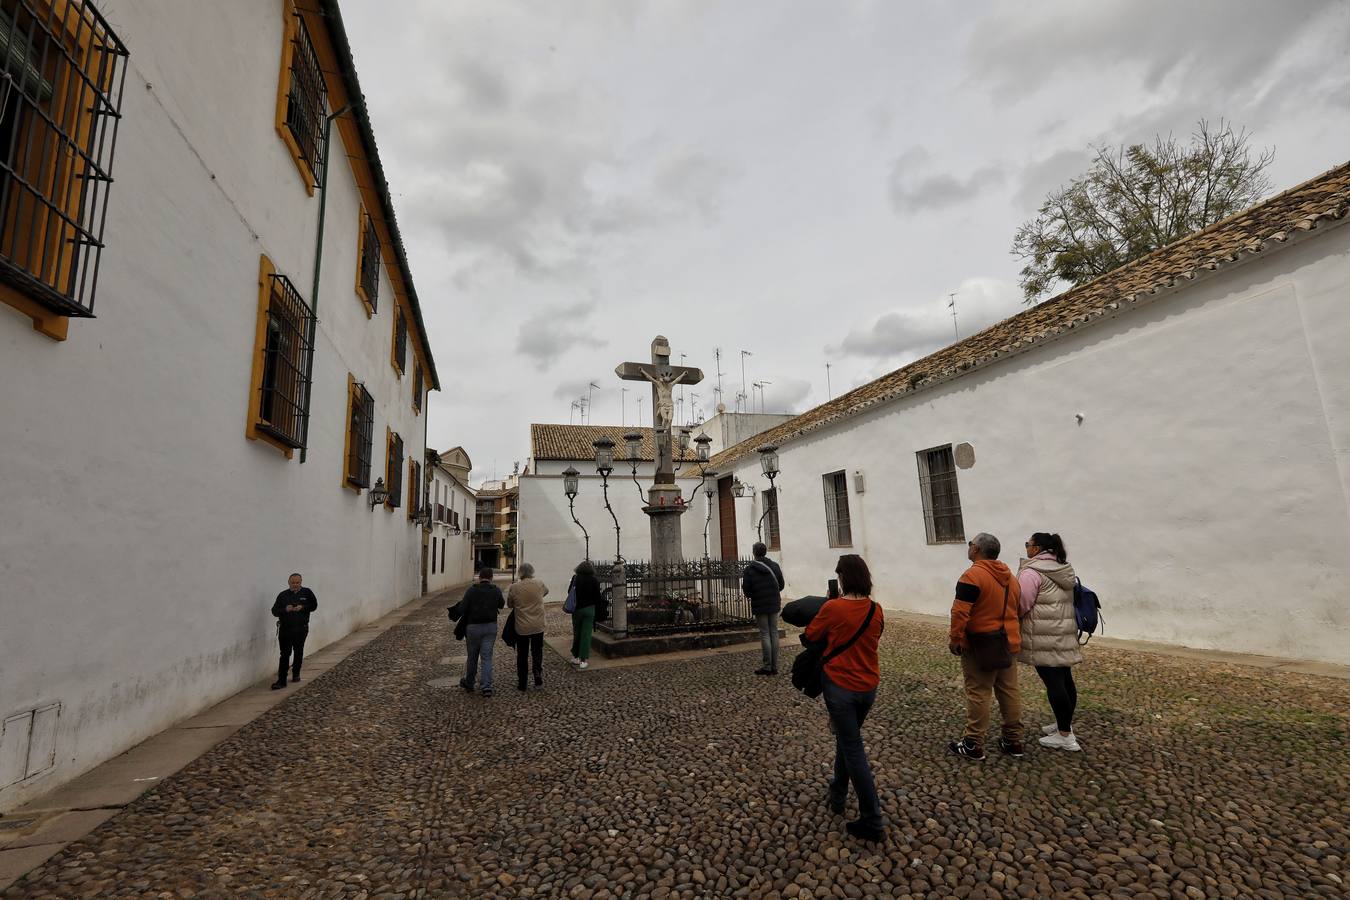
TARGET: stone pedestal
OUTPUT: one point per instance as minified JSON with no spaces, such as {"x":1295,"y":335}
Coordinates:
{"x":665,"y":506}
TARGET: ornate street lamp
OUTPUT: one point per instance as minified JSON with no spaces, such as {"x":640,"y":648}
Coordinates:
{"x":768,"y":462}
{"x":708,"y":491}
{"x":378,"y":494}
{"x":570,"y":488}
{"x":685,"y":434}
{"x":604,"y":464}
{"x":633,"y":441}
{"x":703,"y":443}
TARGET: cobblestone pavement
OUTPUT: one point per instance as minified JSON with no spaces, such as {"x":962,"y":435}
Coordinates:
{"x":700,"y":779}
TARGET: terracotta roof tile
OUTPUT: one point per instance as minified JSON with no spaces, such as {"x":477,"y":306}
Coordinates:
{"x":573,"y":442}
{"x":1263,"y":227}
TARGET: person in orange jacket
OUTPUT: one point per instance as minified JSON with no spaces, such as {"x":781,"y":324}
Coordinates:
{"x":986,"y":606}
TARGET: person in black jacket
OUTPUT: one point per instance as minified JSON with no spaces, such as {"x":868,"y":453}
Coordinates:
{"x":479,"y":607}
{"x":763,"y":584}
{"x":589,"y":603}
{"x":292,"y":609}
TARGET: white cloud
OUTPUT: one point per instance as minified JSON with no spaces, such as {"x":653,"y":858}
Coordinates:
{"x":907,"y":333}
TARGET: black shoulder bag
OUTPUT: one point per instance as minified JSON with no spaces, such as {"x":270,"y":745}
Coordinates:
{"x":990,"y":650}
{"x":809,"y":667}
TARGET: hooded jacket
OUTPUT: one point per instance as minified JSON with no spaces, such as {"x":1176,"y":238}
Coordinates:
{"x":763,"y":584}
{"x":986,"y":599}
{"x":1050,"y":630}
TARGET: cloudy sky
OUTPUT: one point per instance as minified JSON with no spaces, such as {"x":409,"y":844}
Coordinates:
{"x":807,"y":181}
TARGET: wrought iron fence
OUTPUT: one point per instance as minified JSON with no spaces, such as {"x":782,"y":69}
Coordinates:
{"x":694,"y":595}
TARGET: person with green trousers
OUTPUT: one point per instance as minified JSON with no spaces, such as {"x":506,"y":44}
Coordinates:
{"x":589,"y":602}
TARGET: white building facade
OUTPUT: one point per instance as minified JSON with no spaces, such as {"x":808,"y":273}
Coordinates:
{"x":242,"y":399}
{"x":449,"y":555}
{"x":1183,"y":424}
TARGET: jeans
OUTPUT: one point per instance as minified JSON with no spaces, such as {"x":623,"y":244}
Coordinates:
{"x":480,"y":639}
{"x":768,"y":639}
{"x":525,"y":645}
{"x":292,"y":642}
{"x":981,"y":688}
{"x":583,"y":623}
{"x":847,"y":711}
{"x":1062,"y":693}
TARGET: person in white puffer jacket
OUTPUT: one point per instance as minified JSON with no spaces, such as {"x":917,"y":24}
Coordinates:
{"x":1050,"y":631}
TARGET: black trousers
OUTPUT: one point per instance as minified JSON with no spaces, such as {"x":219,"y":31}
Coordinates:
{"x":1062,"y":693}
{"x":292,"y":642}
{"x":527,"y":644}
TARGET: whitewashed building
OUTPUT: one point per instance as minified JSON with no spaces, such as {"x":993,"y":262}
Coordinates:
{"x":449,"y":557}
{"x":1183,"y":423}
{"x":226,"y":313}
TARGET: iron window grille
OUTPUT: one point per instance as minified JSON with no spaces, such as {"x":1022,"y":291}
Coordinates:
{"x":307,"y":101}
{"x":393,"y":471}
{"x":400,"y":340}
{"x":282,"y":409}
{"x":62,"y":70}
{"x":417,"y":387}
{"x":771,"y":518}
{"x":370,"y":263}
{"x":837,"y":522}
{"x":941,"y":499}
{"x":361,"y":436}
{"x":414,"y":487}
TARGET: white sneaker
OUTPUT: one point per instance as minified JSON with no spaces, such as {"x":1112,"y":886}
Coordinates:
{"x":1061,"y":741}
{"x":575,"y":661}
{"x":1052,"y":728}
{"x":581,"y":664}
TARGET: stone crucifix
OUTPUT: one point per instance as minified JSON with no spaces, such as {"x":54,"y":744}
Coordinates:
{"x":663,"y":377}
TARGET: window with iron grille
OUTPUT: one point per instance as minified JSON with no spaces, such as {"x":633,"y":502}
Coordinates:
{"x":770,"y":499}
{"x":836,"y":510}
{"x":414,"y":487}
{"x":306,"y":101}
{"x":400,"y":340}
{"x":360,"y":435}
{"x":62,"y":70}
{"x":393,"y":471}
{"x":368,"y":275}
{"x":941,"y":499}
{"x":282,"y":411}
{"x":417,"y":387}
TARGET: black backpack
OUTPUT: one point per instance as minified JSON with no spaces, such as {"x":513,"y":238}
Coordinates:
{"x":1087,"y":612}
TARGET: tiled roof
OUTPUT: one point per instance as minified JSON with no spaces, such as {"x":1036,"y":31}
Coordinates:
{"x":1263,"y":227}
{"x":573,"y":442}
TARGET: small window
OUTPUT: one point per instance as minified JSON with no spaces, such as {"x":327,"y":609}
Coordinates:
{"x":360,"y":435}
{"x":302,"y":106}
{"x":414,"y":487}
{"x":279,"y":409}
{"x":941,"y":499}
{"x":417,"y":388}
{"x":61,"y":76}
{"x":393,"y":471}
{"x":836,"y":510}
{"x":400,"y":348}
{"x":770,"y":498}
{"x":368,"y":268}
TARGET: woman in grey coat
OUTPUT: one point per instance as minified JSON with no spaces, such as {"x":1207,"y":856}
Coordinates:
{"x":1050,"y":631}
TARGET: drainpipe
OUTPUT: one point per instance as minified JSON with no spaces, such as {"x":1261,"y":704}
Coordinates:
{"x":318,"y":261}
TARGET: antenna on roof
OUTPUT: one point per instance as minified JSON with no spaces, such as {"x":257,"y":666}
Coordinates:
{"x":829,"y":392}
{"x":951,"y":304}
{"x":717,"y":355}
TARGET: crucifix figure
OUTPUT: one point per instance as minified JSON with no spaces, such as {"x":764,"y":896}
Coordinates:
{"x":663,"y":378}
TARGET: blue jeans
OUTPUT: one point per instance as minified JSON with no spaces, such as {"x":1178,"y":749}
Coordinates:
{"x":768,"y":639}
{"x":480,"y":639}
{"x":847,"y":711}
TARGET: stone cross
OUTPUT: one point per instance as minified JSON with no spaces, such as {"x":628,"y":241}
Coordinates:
{"x":663,"y":377}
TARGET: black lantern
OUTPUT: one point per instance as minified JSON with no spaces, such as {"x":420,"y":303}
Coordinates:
{"x":604,"y":456}
{"x":570,"y":482}
{"x":633,"y":442}
{"x":378,"y":494}
{"x":768,"y":461}
{"x":703,"y":442}
{"x":685,"y":434}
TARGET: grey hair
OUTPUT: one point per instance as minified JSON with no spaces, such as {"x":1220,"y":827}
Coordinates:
{"x":987,"y":544}
{"x":526,"y":570}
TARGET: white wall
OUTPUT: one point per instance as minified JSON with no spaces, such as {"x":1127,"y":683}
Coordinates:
{"x":1204,"y":495}
{"x":146,"y":537}
{"x":457,"y":567}
{"x":730,"y":428}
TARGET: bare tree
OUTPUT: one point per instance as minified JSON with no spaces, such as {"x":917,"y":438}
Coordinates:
{"x":1136,"y":199}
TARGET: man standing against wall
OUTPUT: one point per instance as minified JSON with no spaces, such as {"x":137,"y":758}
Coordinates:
{"x":292,"y":609}
{"x":985,"y":634}
{"x":763,"y":584}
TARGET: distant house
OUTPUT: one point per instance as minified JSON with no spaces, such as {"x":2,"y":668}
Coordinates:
{"x":448,"y":559}
{"x":1182,"y":422}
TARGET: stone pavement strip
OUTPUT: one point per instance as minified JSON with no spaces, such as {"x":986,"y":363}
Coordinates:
{"x":698,"y":779}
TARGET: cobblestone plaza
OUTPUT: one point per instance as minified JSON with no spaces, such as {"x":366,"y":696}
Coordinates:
{"x":694,"y":778}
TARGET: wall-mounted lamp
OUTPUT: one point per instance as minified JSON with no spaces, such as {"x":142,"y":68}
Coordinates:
{"x":378,"y":495}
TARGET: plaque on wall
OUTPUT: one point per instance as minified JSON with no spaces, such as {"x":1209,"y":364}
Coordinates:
{"x":964,"y":455}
